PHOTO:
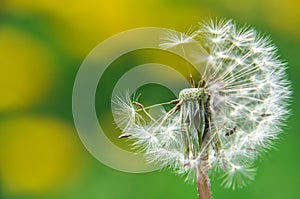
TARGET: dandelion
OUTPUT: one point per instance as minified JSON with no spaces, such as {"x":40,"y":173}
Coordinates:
{"x":225,"y":121}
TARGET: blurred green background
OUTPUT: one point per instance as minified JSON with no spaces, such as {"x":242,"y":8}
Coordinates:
{"x":42,"y":44}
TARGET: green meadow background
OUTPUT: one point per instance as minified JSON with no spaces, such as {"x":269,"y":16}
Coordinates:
{"x":42,"y":44}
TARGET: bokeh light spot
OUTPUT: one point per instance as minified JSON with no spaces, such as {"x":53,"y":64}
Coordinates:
{"x":37,"y":154}
{"x":26,"y":70}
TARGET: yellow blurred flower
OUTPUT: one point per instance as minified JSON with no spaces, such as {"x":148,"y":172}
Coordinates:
{"x":37,"y":154}
{"x":26,"y":69}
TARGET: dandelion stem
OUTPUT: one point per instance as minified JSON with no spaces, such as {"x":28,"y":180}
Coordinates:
{"x":203,"y":182}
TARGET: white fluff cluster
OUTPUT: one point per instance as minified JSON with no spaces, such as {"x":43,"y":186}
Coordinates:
{"x":242,"y":103}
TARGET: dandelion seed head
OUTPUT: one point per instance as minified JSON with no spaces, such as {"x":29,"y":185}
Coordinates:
{"x":226,"y":122}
